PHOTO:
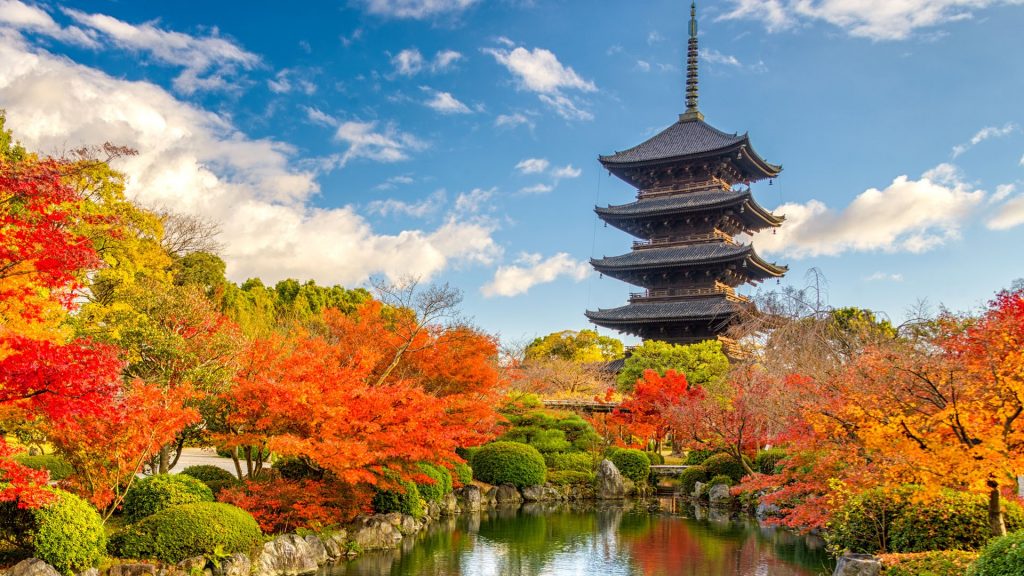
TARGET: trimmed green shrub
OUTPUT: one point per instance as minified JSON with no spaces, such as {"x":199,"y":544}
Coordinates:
{"x":67,"y":534}
{"x":689,"y":478}
{"x":697,"y":457}
{"x":150,"y":495}
{"x":655,"y":457}
{"x":633,"y":464}
{"x":509,"y":463}
{"x":405,"y":498}
{"x":180,"y":532}
{"x":578,"y":461}
{"x":721,"y":479}
{"x":208,"y":473}
{"x":467,"y":454}
{"x":433,"y":492}
{"x":726,"y":465}
{"x":766,"y":460}
{"x":216,"y":486}
{"x":58,"y":467}
{"x":936,"y":563}
{"x":1001,"y":557}
{"x":571,"y":478}
{"x":864,"y":524}
{"x":951,"y":521}
{"x":463,"y":472}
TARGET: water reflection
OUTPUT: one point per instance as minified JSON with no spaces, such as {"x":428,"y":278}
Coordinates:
{"x":607,"y":540}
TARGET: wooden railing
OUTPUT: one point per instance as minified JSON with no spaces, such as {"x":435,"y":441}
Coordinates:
{"x":716,"y":235}
{"x":581,"y":405}
{"x":660,"y":293}
{"x":683,"y":187}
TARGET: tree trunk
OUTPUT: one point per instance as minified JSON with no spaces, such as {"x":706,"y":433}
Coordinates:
{"x":177,"y":453}
{"x":238,"y":465}
{"x":165,"y":458}
{"x":995,"y":514}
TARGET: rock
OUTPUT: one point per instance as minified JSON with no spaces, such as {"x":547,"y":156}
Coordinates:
{"x":287,"y":555}
{"x":336,"y":544}
{"x":766,"y":510}
{"x":433,"y":510}
{"x":130,"y":569}
{"x":507,"y":494}
{"x":317,"y":548}
{"x":33,"y":567}
{"x":449,"y":505}
{"x":409,"y":525}
{"x":719,"y":494}
{"x":533,"y":493}
{"x":858,"y":565}
{"x":609,"y":482}
{"x":89,"y":572}
{"x":192,"y":565}
{"x":470,"y":498}
{"x":698,"y":490}
{"x":376,"y":533}
{"x":235,"y":565}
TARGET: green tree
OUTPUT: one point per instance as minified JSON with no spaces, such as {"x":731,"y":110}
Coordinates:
{"x":583,"y":346}
{"x":704,"y":364}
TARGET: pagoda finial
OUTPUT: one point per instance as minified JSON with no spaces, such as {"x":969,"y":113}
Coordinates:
{"x":692,"y":55}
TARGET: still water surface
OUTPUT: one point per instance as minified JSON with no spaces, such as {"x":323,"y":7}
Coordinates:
{"x":603,"y":541}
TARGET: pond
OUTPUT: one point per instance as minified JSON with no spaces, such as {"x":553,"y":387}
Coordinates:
{"x":663,"y":537}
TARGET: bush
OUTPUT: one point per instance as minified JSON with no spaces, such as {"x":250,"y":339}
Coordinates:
{"x":655,"y":457}
{"x":297,"y":469}
{"x":1001,"y":557}
{"x":937,"y":563}
{"x":864,"y":524}
{"x":208,"y":473}
{"x":150,"y":495}
{"x":721,"y":479}
{"x":180,"y":532}
{"x":441,"y":485}
{"x":577,"y":461}
{"x":218,"y":486}
{"x":58,"y":468}
{"x":509,"y":463}
{"x":67,"y":533}
{"x":690,"y":476}
{"x":725,"y":465}
{"x":404,"y":498}
{"x":766,"y":460}
{"x":464,"y":473}
{"x":467,"y":454}
{"x":571,"y":478}
{"x":950,"y":521}
{"x":697,"y":457}
{"x":281,"y":506}
{"x":633,"y":464}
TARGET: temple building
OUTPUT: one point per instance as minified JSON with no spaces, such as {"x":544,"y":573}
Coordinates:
{"x":693,"y":198}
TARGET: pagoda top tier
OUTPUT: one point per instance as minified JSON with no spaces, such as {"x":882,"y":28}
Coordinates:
{"x":695,"y":142}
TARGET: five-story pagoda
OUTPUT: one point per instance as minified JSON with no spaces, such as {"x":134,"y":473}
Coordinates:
{"x":693,"y":184}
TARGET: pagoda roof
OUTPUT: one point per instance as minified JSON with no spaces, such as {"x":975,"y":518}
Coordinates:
{"x":705,"y":254}
{"x":686,"y":203}
{"x":692,"y":309}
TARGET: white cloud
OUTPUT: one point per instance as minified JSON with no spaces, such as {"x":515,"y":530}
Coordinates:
{"x":317,"y":116}
{"x":474,"y":201}
{"x":28,"y":18}
{"x":883,"y":276}
{"x":1002,"y":192}
{"x":907,"y":216}
{"x":197,"y":162}
{"x":352,"y":38}
{"x":364,"y":140}
{"x":539,"y":71}
{"x":209,"y":62}
{"x":536,"y":189}
{"x":445,"y":103}
{"x":873,"y":19}
{"x":513,"y":120}
{"x":566,"y":172}
{"x":394,"y":182}
{"x":643,"y":65}
{"x":425,"y":207}
{"x":408,"y":62}
{"x":984,"y":134}
{"x":289,"y":80}
{"x":533,"y":165}
{"x":716,"y":57}
{"x":654,"y":37}
{"x":1011,"y":213}
{"x":445,"y":60}
{"x":416,"y":9}
{"x":531,"y":270}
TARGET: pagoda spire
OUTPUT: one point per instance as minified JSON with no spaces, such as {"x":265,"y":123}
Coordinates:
{"x":692,"y":55}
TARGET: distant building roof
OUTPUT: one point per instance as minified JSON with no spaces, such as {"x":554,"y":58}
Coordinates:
{"x":684,"y":138}
{"x":689,"y":309}
{"x":675,"y":255}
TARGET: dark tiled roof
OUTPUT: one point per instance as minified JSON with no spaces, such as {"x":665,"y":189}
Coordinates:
{"x":678,"y":203}
{"x":684,"y":254}
{"x":680,"y":139}
{"x":688,"y":309}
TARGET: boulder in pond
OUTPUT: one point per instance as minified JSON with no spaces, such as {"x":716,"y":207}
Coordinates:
{"x":609,"y":482}
{"x":287,"y":555}
{"x":33,"y":567}
{"x":858,"y":565}
{"x":237,"y":564}
{"x":376,"y":533}
{"x":336,"y":544}
{"x":719,"y":495}
{"x":506,"y":495}
{"x":470,"y":498}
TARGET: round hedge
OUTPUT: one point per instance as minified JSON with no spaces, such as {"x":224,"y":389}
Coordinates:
{"x":58,"y":467}
{"x":180,"y":532}
{"x":697,"y":457}
{"x":725,"y":465}
{"x":509,"y":463}
{"x":577,"y":461}
{"x":721,"y":479}
{"x":1002,"y":556}
{"x":67,"y":533}
{"x":464,"y":473}
{"x":405,"y":500}
{"x":571,"y":478}
{"x":208,"y":473}
{"x":441,"y":485}
{"x":767,"y":460}
{"x":689,"y":477}
{"x":951,"y":521}
{"x":656,"y":458}
{"x":633,"y":464}
{"x":150,"y":495}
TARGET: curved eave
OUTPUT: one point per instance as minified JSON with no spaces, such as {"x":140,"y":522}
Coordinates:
{"x":770,"y":219}
{"x":608,"y":265}
{"x":684,"y":311}
{"x":771,"y":269}
{"x":620,"y":212}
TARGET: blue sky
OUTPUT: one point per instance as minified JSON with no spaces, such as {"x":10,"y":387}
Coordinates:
{"x":457,"y":140}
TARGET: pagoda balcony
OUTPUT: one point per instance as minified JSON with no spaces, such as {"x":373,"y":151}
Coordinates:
{"x":719,"y":289}
{"x":714,"y":183}
{"x":715,"y":236}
